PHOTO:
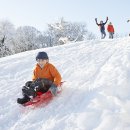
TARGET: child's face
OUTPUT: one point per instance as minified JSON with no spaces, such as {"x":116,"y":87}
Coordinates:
{"x":42,"y":62}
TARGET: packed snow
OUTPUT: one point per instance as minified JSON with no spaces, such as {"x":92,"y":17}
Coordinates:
{"x":95,"y":96}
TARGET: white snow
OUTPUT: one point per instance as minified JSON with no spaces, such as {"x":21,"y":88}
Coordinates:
{"x":96,"y":94}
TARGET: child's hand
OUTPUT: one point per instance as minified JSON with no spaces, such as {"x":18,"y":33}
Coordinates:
{"x":53,"y":89}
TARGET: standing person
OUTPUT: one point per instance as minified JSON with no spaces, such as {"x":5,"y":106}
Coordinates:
{"x":127,"y":22}
{"x":45,"y":78}
{"x":110,"y":29}
{"x":102,"y":27}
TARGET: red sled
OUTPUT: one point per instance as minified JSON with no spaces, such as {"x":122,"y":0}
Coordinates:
{"x":42,"y":98}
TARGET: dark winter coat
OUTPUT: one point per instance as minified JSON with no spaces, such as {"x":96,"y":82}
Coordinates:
{"x":101,"y":25}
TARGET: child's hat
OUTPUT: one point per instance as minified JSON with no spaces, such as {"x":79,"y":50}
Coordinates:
{"x":42,"y":55}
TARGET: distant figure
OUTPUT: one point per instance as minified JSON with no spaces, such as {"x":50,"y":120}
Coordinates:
{"x":110,"y":29}
{"x":2,"y":41}
{"x":102,"y":27}
{"x":127,"y":22}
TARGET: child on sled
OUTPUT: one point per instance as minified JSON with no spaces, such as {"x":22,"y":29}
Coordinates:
{"x":45,"y":78}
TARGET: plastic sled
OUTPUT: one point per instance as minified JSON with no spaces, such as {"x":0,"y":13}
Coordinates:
{"x":42,"y":98}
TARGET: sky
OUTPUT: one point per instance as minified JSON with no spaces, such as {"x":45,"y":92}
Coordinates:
{"x":38,"y":13}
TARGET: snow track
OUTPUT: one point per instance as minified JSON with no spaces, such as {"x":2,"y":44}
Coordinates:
{"x":96,"y":94}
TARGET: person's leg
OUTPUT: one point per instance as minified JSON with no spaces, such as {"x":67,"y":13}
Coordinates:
{"x":109,"y":35}
{"x":30,"y":91}
{"x":24,"y":99}
{"x":43,"y":85}
{"x":101,"y":35}
{"x":25,"y":94}
{"x":112,"y":35}
{"x":104,"y":34}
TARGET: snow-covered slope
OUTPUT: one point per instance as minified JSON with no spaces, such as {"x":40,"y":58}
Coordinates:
{"x":96,"y":94}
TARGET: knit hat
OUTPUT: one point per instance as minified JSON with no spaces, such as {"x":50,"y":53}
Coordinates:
{"x":42,"y":55}
{"x":101,"y":21}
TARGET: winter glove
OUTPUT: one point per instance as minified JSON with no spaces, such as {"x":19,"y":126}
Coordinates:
{"x":31,"y":87}
{"x":128,"y":21}
{"x":41,"y":85}
{"x":95,"y":19}
{"x":107,"y":18}
{"x":37,"y":85}
{"x":53,"y":89}
{"x":28,"y":83}
{"x":31,"y":93}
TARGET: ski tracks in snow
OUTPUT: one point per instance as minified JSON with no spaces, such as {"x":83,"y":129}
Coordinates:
{"x":92,"y":99}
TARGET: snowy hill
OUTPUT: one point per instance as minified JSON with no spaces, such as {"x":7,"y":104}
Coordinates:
{"x":96,"y":94}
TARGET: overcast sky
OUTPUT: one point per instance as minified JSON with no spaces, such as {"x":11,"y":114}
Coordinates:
{"x":38,"y":13}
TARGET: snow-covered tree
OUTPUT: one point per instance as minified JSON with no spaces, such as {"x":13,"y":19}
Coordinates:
{"x":27,"y":38}
{"x":61,"y":32}
{"x":7,"y":33}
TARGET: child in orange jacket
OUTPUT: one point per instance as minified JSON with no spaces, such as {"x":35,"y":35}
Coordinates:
{"x":110,"y":29}
{"x":44,"y":69}
{"x":45,"y":77}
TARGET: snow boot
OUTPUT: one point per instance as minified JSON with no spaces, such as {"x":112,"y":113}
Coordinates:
{"x":23,"y":100}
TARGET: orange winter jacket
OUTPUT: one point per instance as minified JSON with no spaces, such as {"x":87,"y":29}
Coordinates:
{"x":49,"y":72}
{"x":110,"y":28}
